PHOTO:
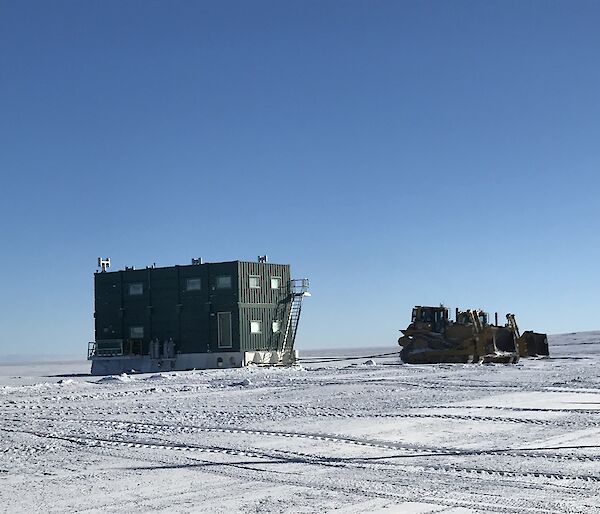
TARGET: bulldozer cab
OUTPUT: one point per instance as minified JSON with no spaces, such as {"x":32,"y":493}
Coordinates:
{"x":435,"y":318}
{"x":472,"y":317}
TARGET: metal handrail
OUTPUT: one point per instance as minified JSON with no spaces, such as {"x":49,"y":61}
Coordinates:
{"x":114,"y":348}
{"x":299,"y":286}
{"x":105,"y":348}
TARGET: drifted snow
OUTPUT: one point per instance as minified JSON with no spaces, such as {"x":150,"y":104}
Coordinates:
{"x":321,"y":437}
{"x":115,"y":378}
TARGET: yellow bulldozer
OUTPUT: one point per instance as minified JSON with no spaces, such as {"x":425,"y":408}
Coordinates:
{"x":431,"y":337}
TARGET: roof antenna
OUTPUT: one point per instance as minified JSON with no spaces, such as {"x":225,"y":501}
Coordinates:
{"x":104,"y":263}
{"x":263,"y":258}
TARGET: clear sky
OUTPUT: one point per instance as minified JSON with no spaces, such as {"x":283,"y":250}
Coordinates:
{"x":396,"y":153}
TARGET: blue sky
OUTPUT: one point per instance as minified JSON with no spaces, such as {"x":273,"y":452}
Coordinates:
{"x":396,"y":153}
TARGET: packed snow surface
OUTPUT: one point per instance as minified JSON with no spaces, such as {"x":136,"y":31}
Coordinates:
{"x":343,"y":436}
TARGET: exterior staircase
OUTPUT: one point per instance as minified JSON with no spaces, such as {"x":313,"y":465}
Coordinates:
{"x":299,"y":290}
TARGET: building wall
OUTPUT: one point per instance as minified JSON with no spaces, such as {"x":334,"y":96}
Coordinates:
{"x":266,"y":339}
{"x":161,"y":303}
{"x":221,"y":300}
{"x":264,"y":304}
{"x":107,"y":306}
{"x":193,"y":310}
{"x":184,"y":303}
{"x":264,"y":271}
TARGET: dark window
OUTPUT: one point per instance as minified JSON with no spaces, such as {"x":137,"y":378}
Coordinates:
{"x":136,"y":289}
{"x":193,"y":284}
{"x":136,"y":332}
{"x":223,"y":282}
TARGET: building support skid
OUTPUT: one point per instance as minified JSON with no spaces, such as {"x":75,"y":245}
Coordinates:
{"x":188,"y":361}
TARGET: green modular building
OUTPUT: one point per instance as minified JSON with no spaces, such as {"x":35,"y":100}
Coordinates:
{"x":203,"y":315}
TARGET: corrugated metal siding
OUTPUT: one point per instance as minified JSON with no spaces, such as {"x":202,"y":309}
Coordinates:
{"x":266,"y":340}
{"x":265,"y":271}
{"x":264,"y":304}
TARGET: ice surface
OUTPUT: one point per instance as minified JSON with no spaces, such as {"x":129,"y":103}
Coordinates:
{"x":326,"y":436}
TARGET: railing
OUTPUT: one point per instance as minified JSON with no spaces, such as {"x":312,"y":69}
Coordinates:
{"x":114,"y":348}
{"x":300,"y":286}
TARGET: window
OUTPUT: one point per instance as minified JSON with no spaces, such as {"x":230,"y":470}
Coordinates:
{"x":254,"y":282}
{"x":136,"y":289}
{"x":275,"y":282}
{"x":276,"y":327}
{"x":224,"y":282}
{"x":136,"y":332}
{"x":256,"y":327}
{"x":193,"y":284}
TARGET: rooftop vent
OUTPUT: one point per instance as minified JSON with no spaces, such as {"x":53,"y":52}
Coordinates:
{"x":197,"y":261}
{"x":263,"y":258}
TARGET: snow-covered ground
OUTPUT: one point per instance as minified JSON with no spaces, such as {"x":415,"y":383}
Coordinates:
{"x":332,"y":436}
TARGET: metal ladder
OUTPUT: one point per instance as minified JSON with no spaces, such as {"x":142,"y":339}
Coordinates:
{"x":299,"y":289}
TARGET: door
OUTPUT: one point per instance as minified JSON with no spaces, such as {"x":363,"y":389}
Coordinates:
{"x":224,"y":329}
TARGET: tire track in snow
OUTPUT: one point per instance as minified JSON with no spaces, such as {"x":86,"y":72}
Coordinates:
{"x":509,"y":408}
{"x":96,"y":442}
{"x":325,"y":411}
{"x":319,"y":485}
{"x":190,"y":429}
{"x":343,"y":413}
{"x":416,"y":450}
{"x":23,"y":449}
{"x":285,"y":457}
{"x":282,"y":456}
{"x":340,"y":462}
{"x":340,"y":413}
